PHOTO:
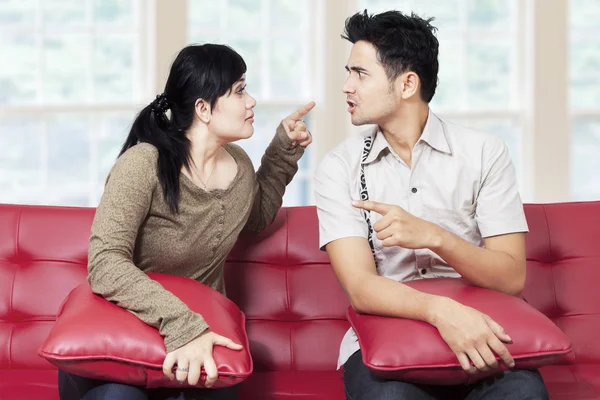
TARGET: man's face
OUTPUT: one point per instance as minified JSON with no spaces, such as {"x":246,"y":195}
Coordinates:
{"x":370,"y":96}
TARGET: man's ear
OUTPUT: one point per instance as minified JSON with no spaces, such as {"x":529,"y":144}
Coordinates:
{"x":408,"y":85}
{"x":203,"y":110}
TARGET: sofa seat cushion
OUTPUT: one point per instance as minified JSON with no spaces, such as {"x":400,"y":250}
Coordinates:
{"x":297,"y":385}
{"x":572,"y":382}
{"x":564,"y":382}
{"x":26,"y":384}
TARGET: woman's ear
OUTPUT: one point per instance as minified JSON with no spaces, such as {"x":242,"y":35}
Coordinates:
{"x":203,"y":110}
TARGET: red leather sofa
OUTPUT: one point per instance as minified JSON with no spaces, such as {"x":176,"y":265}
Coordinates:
{"x":295,"y":306}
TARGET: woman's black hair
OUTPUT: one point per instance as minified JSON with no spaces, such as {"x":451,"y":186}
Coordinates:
{"x":205,"y":72}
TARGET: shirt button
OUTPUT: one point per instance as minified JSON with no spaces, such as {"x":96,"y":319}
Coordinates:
{"x":218,"y":196}
{"x":218,"y":235}
{"x":423,"y":271}
{"x":414,"y":190}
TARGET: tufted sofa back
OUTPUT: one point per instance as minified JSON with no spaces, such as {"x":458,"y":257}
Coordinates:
{"x":283,"y":282}
{"x":563,"y":271}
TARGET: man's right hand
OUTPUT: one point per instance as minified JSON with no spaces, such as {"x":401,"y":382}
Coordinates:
{"x":471,"y":335}
{"x":193,"y":356}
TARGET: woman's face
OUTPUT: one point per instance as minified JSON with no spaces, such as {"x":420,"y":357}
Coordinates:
{"x":232,"y":117}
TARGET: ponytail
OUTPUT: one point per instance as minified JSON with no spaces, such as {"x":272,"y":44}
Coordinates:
{"x":153,"y":126}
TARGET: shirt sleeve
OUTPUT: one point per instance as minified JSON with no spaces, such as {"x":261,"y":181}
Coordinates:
{"x":278,"y":166}
{"x":499,"y":207}
{"x":333,"y":196}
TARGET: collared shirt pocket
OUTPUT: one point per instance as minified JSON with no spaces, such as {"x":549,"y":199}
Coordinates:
{"x":460,"y":222}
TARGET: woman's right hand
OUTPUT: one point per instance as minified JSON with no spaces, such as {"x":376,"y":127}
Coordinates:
{"x":191,"y":357}
{"x":296,"y":128}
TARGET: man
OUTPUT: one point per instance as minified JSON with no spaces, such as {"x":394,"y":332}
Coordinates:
{"x":442,"y":202}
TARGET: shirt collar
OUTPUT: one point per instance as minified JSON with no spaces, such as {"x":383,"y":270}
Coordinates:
{"x":379,"y":144}
{"x":433,"y":134}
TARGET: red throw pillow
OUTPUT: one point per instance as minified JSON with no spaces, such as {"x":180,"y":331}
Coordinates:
{"x":95,"y":338}
{"x":414,"y":351}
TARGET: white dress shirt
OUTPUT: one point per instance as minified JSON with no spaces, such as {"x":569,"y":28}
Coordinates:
{"x":461,"y":180}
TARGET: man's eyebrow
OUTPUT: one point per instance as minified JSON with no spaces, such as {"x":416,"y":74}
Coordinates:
{"x":355,"y":69}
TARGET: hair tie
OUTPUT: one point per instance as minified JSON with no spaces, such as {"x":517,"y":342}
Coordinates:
{"x":160,"y":105}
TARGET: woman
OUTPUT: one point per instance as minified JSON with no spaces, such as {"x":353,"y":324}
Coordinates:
{"x":175,"y":202}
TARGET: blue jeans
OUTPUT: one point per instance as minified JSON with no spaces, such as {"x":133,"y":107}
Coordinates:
{"x":361,"y":384}
{"x":73,"y":387}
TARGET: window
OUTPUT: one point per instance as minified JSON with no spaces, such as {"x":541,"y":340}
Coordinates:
{"x":479,"y":74}
{"x":584,"y":83}
{"x":68,"y":96}
{"x":74,"y":73}
{"x":275,"y":39}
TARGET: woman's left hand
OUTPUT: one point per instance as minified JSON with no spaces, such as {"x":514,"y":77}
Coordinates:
{"x":296,"y":128}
